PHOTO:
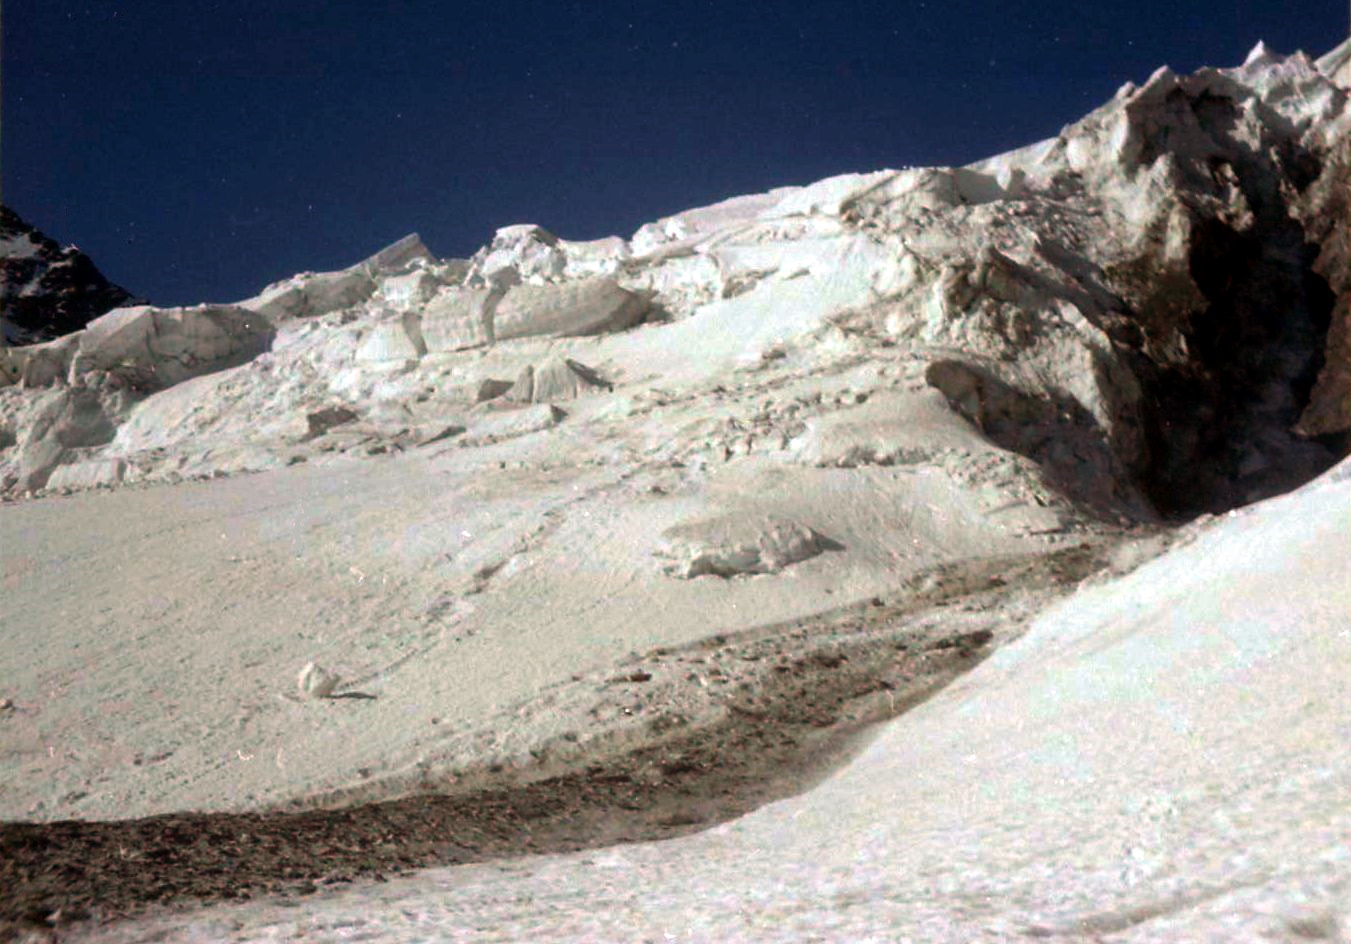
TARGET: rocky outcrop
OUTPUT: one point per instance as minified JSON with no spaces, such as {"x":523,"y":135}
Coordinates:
{"x":1231,"y":285}
{"x":1324,"y":209}
{"x":47,"y":290}
{"x":1181,"y":312}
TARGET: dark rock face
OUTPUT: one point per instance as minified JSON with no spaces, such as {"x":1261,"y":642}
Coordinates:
{"x":46,"y":290}
{"x":1233,"y":295}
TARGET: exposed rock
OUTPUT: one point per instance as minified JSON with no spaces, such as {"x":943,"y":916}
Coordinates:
{"x":321,"y":421}
{"x":47,"y":291}
{"x":489,"y":389}
{"x":588,"y":306}
{"x":735,"y":544}
{"x":1329,"y":409}
{"x":1325,"y":210}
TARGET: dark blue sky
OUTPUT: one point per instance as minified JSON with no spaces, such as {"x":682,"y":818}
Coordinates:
{"x":198,"y":150}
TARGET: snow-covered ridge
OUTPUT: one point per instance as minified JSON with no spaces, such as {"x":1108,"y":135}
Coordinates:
{"x":1170,"y":262}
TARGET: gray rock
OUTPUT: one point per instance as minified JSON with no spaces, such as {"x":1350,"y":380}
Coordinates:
{"x":490,"y":389}
{"x":47,"y":290}
{"x":321,"y":421}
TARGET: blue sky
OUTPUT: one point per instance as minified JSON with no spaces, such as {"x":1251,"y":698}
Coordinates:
{"x":199,"y":150}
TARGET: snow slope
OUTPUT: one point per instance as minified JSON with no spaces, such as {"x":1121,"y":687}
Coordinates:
{"x":479,"y":490}
{"x":1161,"y":757}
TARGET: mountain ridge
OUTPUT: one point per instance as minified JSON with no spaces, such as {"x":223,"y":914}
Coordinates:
{"x":47,"y":290}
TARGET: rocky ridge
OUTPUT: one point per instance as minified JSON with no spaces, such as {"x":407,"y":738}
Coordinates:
{"x":47,"y":290}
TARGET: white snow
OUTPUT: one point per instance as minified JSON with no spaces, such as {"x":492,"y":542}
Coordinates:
{"x":1159,"y":758}
{"x":750,"y":412}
